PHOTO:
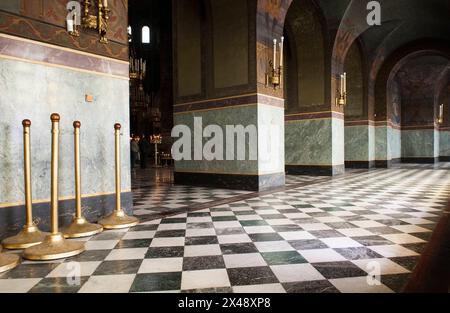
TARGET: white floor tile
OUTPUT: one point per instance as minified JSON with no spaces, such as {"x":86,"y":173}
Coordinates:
{"x":203,"y":279}
{"x":108,"y":284}
{"x":162,"y":265}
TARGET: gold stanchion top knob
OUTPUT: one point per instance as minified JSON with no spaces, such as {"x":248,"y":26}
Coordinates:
{"x":117,"y":126}
{"x":55,"y":117}
{"x":77,"y":124}
{"x":26,"y":123}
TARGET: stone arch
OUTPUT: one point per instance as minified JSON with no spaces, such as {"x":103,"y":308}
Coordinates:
{"x":395,"y":61}
{"x":395,"y":126}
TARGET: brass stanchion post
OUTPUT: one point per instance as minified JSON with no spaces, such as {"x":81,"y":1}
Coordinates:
{"x":118,"y":219}
{"x":8,"y":261}
{"x":54,"y":245}
{"x":30,"y":234}
{"x":80,"y":227}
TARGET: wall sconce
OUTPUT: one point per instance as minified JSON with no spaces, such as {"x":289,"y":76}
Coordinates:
{"x":90,"y":21}
{"x":274,"y":77}
{"x":98,"y":22}
{"x":341,"y":92}
{"x":440,"y":119}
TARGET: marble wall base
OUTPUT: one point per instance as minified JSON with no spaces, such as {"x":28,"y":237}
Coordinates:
{"x":322,"y":170}
{"x":12,"y":218}
{"x":360,"y":164}
{"x":421,"y":160}
{"x":386,"y":163}
{"x":230,"y":181}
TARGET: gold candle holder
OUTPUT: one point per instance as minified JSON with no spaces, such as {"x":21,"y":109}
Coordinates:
{"x":30,"y":235}
{"x":80,"y":227}
{"x":8,"y":261}
{"x":54,"y":245}
{"x":118,"y":219}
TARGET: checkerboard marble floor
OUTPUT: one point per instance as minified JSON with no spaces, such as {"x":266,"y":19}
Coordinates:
{"x":362,"y":232}
{"x":154,"y":200}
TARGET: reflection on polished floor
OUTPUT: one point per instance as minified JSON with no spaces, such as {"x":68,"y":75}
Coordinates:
{"x":315,"y":235}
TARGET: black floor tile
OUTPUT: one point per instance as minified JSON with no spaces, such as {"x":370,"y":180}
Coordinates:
{"x":283,"y":257}
{"x":358,"y":253}
{"x":133,"y":243}
{"x":332,"y":270}
{"x":203,"y":263}
{"x":164,"y":252}
{"x":31,"y":270}
{"x":372,"y":241}
{"x":318,"y":286}
{"x":202,"y":240}
{"x":307,"y":244}
{"x":251,"y":276}
{"x":156,"y":282}
{"x":238,"y":248}
{"x":265,"y":237}
{"x":170,"y":233}
{"x":118,"y":267}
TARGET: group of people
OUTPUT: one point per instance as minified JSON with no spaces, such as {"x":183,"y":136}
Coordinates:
{"x":140,"y":150}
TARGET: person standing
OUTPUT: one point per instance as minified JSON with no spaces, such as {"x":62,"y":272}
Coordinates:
{"x":144,"y":147}
{"x":134,"y":152}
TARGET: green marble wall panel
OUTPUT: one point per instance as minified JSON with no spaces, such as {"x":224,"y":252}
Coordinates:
{"x":338,"y":141}
{"x":32,"y":91}
{"x":444,"y":143}
{"x":356,"y":143}
{"x":381,"y":143}
{"x":269,"y":122}
{"x":371,"y":132}
{"x":395,"y":143}
{"x":419,"y":144}
{"x":309,"y":142}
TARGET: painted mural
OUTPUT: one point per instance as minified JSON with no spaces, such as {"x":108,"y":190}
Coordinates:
{"x":45,"y":21}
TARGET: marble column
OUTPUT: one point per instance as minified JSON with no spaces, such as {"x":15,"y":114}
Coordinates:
{"x":420,"y":145}
{"x":388,"y":144}
{"x":315,"y":143}
{"x":444,"y":144}
{"x":258,"y":166}
{"x":359,"y":144}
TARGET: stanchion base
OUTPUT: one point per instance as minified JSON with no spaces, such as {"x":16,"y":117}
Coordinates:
{"x":118,"y":220}
{"x":29,"y":236}
{"x":8,"y":262}
{"x":80,"y":227}
{"x":54,"y":247}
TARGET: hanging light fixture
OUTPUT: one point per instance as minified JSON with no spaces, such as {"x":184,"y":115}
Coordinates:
{"x":138,"y":71}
